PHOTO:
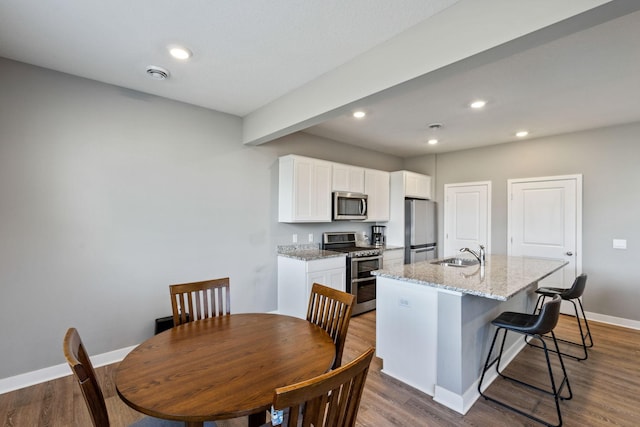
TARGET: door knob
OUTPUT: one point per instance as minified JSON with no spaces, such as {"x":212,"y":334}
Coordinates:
{"x":569,"y":253}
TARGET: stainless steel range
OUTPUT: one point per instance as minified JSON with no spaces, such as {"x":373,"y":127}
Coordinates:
{"x":361,"y":261}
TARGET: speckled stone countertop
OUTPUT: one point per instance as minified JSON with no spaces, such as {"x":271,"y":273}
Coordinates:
{"x":308,"y":252}
{"x":391,"y":247}
{"x":501,"y":278}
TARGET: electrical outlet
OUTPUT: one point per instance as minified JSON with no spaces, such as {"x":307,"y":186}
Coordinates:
{"x":619,"y":243}
{"x":295,"y":238}
{"x":310,"y":237}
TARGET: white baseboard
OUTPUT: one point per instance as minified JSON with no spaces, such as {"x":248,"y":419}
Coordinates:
{"x":58,"y":371}
{"x":458,"y":402}
{"x":617,"y":321}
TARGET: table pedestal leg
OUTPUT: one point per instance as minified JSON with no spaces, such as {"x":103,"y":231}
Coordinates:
{"x":258,"y":419}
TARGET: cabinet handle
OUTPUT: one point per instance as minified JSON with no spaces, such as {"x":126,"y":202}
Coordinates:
{"x":569,"y":253}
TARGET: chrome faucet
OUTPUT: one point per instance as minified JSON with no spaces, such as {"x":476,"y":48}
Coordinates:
{"x":479,"y":255}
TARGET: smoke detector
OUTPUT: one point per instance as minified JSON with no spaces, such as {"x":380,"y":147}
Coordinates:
{"x":157,"y":73}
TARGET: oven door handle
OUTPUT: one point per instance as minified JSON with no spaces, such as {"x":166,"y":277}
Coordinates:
{"x":365,"y":279}
{"x":367,"y":258}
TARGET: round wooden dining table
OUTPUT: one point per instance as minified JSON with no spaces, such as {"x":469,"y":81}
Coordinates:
{"x":222,"y":367}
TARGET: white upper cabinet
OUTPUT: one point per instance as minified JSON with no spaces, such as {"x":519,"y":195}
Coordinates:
{"x":348,"y":178}
{"x":376,"y":186}
{"x":304,"y":189}
{"x":417,"y":185}
{"x":404,"y":184}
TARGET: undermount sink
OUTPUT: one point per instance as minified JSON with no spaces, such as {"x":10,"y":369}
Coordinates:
{"x":456,"y":262}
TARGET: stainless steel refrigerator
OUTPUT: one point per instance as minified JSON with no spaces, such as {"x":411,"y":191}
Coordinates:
{"x":419,"y":230}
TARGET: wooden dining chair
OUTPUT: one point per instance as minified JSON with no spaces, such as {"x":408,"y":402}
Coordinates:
{"x":331,"y":310}
{"x":200,"y":300}
{"x":331,"y":399}
{"x":80,"y":364}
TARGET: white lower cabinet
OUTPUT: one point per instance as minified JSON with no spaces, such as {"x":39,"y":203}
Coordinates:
{"x":296,"y":277}
{"x":392,"y":258}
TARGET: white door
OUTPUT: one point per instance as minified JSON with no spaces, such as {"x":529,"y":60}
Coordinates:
{"x":545,"y":221}
{"x":467,"y":216}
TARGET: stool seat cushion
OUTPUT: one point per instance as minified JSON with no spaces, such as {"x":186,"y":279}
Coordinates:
{"x":517,"y":322}
{"x":531,"y":324}
{"x":550,"y":291}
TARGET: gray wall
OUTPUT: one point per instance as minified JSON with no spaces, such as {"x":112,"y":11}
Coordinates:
{"x":107,"y":196}
{"x":608,"y":160}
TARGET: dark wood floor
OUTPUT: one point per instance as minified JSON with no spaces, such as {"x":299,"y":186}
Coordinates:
{"x":606,"y":390}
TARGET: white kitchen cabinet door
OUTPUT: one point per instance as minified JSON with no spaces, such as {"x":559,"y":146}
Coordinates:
{"x":392,"y":258}
{"x":332,"y":278}
{"x":296,"y":277}
{"x":376,"y":186}
{"x":304,"y":190}
{"x":347,"y":178}
{"x":417,"y":185}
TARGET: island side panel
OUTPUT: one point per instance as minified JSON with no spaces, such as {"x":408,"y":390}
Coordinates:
{"x":464,"y":337}
{"x":406,"y":332}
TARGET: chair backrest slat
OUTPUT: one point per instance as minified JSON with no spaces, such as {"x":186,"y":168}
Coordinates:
{"x":200,"y":300}
{"x":329,"y":400}
{"x":331,"y":310}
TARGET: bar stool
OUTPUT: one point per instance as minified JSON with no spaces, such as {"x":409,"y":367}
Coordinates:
{"x":532,"y":325}
{"x":572,"y":295}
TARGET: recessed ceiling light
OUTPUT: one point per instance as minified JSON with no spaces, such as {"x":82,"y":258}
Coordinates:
{"x":522,"y":133}
{"x":432,"y":141}
{"x":359,"y":114}
{"x":477,"y":104}
{"x":180,"y":52}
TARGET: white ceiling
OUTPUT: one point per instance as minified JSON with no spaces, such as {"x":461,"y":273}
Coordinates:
{"x":249,"y":53}
{"x":586,"y":80}
{"x":246,"y":53}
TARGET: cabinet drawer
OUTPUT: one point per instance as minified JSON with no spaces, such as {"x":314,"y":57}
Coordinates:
{"x":326,"y":264}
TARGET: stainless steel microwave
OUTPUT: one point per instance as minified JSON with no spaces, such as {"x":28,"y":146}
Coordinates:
{"x":349,"y":206}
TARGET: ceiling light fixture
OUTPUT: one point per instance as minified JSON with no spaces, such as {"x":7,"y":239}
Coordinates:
{"x":522,"y":133}
{"x":476,"y":105}
{"x":157,"y":73}
{"x":434,"y":128}
{"x":180,"y":52}
{"x":359,"y":114}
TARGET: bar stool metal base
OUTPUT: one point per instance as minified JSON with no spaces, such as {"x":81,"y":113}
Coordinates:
{"x":543,"y":295}
{"x":555,"y":391}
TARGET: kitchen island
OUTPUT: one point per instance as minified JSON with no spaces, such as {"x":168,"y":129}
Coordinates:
{"x":433,"y":322}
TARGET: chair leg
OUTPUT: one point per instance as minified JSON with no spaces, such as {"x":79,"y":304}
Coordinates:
{"x":586,"y":324}
{"x":555,"y":390}
{"x":539,"y":303}
{"x":487,"y":363}
{"x":583,"y":337}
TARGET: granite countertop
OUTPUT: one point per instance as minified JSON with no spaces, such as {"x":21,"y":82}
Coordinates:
{"x":308,"y":252}
{"x":501,"y":278}
{"x":391,"y":247}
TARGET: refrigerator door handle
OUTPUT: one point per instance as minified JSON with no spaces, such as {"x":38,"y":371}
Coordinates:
{"x":424,"y":250}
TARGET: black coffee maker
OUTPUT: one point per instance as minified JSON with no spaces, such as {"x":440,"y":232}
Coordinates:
{"x":377,"y":235}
